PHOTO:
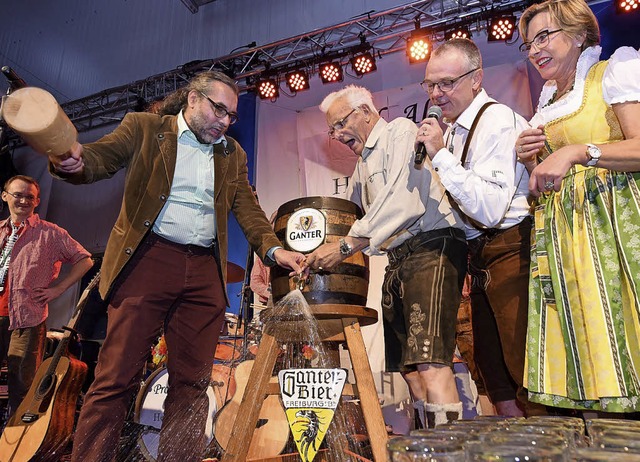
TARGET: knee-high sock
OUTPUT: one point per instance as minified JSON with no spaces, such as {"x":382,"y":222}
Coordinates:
{"x":438,"y":414}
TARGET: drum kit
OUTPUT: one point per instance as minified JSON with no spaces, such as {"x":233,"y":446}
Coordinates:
{"x":149,"y":412}
{"x":238,"y":342}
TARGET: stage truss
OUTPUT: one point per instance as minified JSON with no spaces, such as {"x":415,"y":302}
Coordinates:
{"x":382,"y":32}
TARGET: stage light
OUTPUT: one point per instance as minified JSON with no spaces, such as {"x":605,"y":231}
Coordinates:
{"x":501,"y":28}
{"x":363,"y":63}
{"x":330,"y":72}
{"x":297,"y":80}
{"x":459,"y":32}
{"x":267,"y":88}
{"x":418,"y":46}
{"x":627,"y":6}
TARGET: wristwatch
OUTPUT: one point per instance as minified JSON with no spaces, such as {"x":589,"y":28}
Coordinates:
{"x":345,"y":247}
{"x":593,"y":153}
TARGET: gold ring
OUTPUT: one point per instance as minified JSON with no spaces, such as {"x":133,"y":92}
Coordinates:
{"x":319,"y":268}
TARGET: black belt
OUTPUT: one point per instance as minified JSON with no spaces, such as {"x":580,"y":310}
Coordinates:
{"x":184,"y":248}
{"x":410,"y":245}
{"x":490,"y":233}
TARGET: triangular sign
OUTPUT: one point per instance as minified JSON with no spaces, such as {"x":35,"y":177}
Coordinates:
{"x":310,"y":398}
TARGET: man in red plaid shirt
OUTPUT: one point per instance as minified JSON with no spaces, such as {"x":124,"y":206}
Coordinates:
{"x":31,"y":254}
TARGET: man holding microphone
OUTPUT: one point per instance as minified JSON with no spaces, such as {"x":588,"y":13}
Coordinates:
{"x":477,"y":164}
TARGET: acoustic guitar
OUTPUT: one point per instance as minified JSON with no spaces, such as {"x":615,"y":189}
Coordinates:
{"x":272,"y":432}
{"x":43,"y":423}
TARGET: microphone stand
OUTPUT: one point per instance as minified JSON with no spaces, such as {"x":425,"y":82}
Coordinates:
{"x":15,"y":81}
{"x":246,"y":312}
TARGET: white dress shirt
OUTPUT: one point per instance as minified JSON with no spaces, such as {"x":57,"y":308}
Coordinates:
{"x":399,"y":201}
{"x":491,"y":189}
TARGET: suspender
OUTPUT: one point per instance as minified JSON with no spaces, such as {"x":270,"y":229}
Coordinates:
{"x":472,"y":129}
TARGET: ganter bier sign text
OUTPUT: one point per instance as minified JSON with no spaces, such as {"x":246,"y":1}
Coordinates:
{"x":310,"y":398}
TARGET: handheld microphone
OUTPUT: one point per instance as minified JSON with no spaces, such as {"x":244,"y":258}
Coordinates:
{"x":434,"y":113}
{"x":15,"y":81}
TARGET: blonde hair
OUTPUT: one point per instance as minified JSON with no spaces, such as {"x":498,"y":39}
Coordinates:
{"x":574,"y":17}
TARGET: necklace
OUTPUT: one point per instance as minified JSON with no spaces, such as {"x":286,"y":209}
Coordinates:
{"x":555,"y":97}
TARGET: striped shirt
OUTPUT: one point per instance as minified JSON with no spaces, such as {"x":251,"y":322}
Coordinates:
{"x":188,"y":216}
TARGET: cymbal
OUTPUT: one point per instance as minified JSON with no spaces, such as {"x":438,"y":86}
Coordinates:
{"x":235,"y":273}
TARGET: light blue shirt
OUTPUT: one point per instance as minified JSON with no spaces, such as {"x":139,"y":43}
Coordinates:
{"x":188,"y":216}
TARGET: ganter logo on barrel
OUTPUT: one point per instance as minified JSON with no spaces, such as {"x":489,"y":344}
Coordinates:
{"x":306,"y":229}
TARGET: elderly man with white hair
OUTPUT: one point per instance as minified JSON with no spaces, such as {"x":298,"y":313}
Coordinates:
{"x":407,"y":215}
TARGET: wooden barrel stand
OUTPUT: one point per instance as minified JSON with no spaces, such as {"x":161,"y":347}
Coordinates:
{"x":337,"y":300}
{"x":337,"y":323}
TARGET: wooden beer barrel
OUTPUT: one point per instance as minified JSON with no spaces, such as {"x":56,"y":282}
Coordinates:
{"x":319,"y":220}
{"x":303,"y":225}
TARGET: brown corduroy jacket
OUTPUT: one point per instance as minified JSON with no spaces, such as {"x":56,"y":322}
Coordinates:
{"x":146,"y":145}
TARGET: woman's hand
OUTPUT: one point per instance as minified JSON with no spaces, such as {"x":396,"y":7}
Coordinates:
{"x":528,"y":145}
{"x":548,"y":175}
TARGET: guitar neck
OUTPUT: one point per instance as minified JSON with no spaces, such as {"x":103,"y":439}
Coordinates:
{"x":81,"y":304}
{"x":69,"y":329}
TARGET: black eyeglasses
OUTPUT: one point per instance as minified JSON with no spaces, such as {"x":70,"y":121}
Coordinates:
{"x":19,"y":197}
{"x":541,"y":40}
{"x":220,"y":111}
{"x":340,"y":124}
{"x":444,"y":85}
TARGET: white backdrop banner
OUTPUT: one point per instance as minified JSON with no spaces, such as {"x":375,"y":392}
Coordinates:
{"x":326,"y":164}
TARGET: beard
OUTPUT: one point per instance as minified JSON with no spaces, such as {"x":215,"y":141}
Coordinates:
{"x":205,"y":132}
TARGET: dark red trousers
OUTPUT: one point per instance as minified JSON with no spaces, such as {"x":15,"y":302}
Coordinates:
{"x":168,"y":286}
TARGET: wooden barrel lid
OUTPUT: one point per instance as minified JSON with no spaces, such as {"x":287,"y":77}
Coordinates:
{"x":320,"y":202}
